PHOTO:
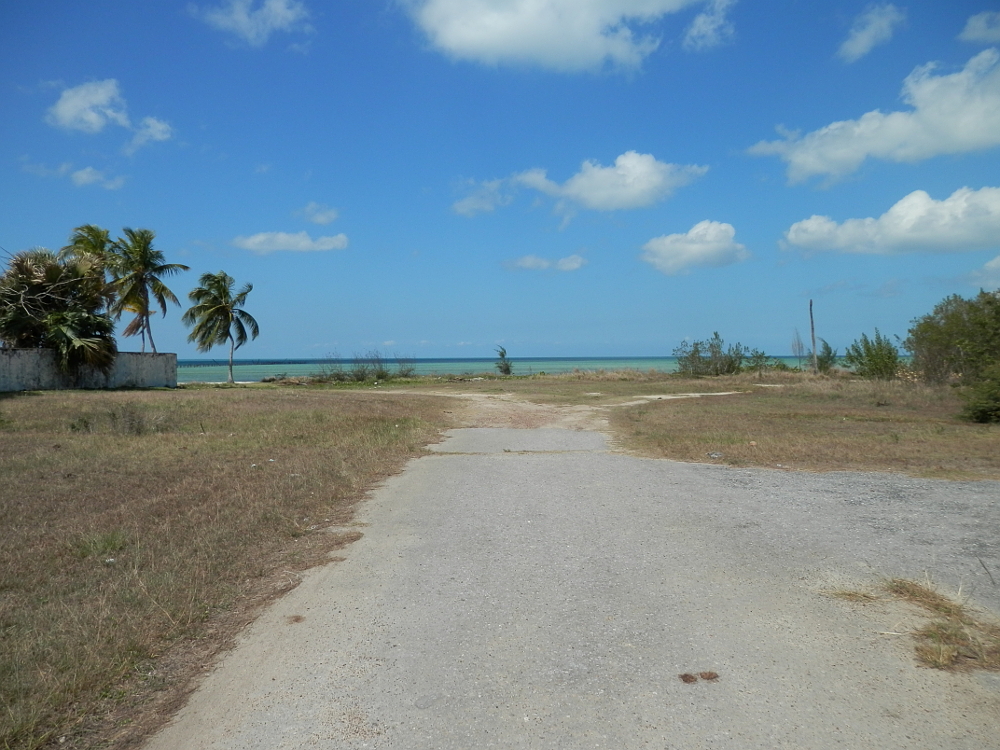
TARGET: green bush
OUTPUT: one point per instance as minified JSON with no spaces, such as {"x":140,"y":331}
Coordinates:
{"x":874,"y":359}
{"x":826,"y":357}
{"x":712,"y":357}
{"x":959,"y":339}
{"x":982,"y":400}
{"x":503,"y":365}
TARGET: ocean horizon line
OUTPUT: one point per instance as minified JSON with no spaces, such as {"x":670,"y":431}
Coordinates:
{"x":251,"y":370}
{"x":204,"y":362}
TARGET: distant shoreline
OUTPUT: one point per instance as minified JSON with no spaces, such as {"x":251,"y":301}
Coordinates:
{"x":393,"y":360}
{"x":216,"y":370}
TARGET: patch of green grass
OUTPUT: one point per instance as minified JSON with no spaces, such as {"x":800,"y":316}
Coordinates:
{"x":100,"y":544}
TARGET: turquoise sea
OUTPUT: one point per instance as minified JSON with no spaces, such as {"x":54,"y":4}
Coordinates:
{"x":246,"y":370}
{"x":254,"y":370}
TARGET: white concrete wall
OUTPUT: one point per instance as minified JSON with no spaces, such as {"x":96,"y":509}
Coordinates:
{"x":35,"y":370}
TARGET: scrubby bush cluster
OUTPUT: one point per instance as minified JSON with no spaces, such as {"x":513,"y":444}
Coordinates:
{"x":711,"y":357}
{"x":958,"y":341}
{"x":874,"y":358}
{"x":371,"y":366}
{"x":982,"y":399}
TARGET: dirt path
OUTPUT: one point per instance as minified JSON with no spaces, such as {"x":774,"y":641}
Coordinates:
{"x":510,"y":410}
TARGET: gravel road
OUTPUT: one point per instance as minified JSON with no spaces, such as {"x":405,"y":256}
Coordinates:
{"x":530,"y":588}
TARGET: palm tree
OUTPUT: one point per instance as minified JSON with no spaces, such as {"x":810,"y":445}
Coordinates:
{"x":88,"y":241}
{"x":90,"y":248}
{"x":57,"y":304}
{"x":216,"y":315}
{"x":136,"y":268}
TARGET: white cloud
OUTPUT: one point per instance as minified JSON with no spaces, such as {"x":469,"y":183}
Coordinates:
{"x":711,"y":27}
{"x":319,"y":213}
{"x":635,"y":180}
{"x":987,"y":277}
{"x":89,"y":107}
{"x":564,"y":35}
{"x":708,"y":243}
{"x":966,"y":220}
{"x":951,"y":114}
{"x":571,"y":263}
{"x":485,"y":197}
{"x":150,"y":129}
{"x":42,"y":171}
{"x":91,"y":176}
{"x":270,"y":242}
{"x":534,"y":263}
{"x":873,"y":27}
{"x":982,"y":27}
{"x":253,"y":24}
{"x":80,"y":177}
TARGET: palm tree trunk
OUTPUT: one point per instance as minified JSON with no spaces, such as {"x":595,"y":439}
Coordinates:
{"x":150,"y":332}
{"x":232,"y":348}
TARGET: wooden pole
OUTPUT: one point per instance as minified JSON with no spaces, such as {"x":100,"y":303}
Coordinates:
{"x":812,"y":328}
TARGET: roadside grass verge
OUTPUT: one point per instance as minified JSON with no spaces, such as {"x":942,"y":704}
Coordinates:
{"x":139,"y":531}
{"x":954,"y":639}
{"x":816,"y":423}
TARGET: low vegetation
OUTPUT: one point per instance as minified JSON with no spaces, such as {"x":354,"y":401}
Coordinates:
{"x":503,"y":364}
{"x":803,"y":422}
{"x":954,"y":638}
{"x":150,"y":525}
{"x":714,"y":357}
{"x":372,"y":367}
{"x":141,"y":530}
{"x":875,"y":358}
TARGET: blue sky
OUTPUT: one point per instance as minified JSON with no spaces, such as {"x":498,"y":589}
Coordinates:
{"x":561,"y":177}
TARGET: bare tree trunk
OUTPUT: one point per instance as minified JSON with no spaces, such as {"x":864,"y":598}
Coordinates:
{"x":232,"y":348}
{"x":812,"y":329}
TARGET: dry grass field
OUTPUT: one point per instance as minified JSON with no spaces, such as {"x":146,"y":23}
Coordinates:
{"x":139,"y":531}
{"x":780,"y":420}
{"x":819,"y":424}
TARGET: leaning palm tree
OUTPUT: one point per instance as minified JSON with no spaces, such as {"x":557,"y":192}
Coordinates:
{"x":216,"y":315}
{"x":136,"y":268}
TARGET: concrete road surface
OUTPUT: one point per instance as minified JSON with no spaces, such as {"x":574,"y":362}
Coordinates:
{"x":532,"y":589}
